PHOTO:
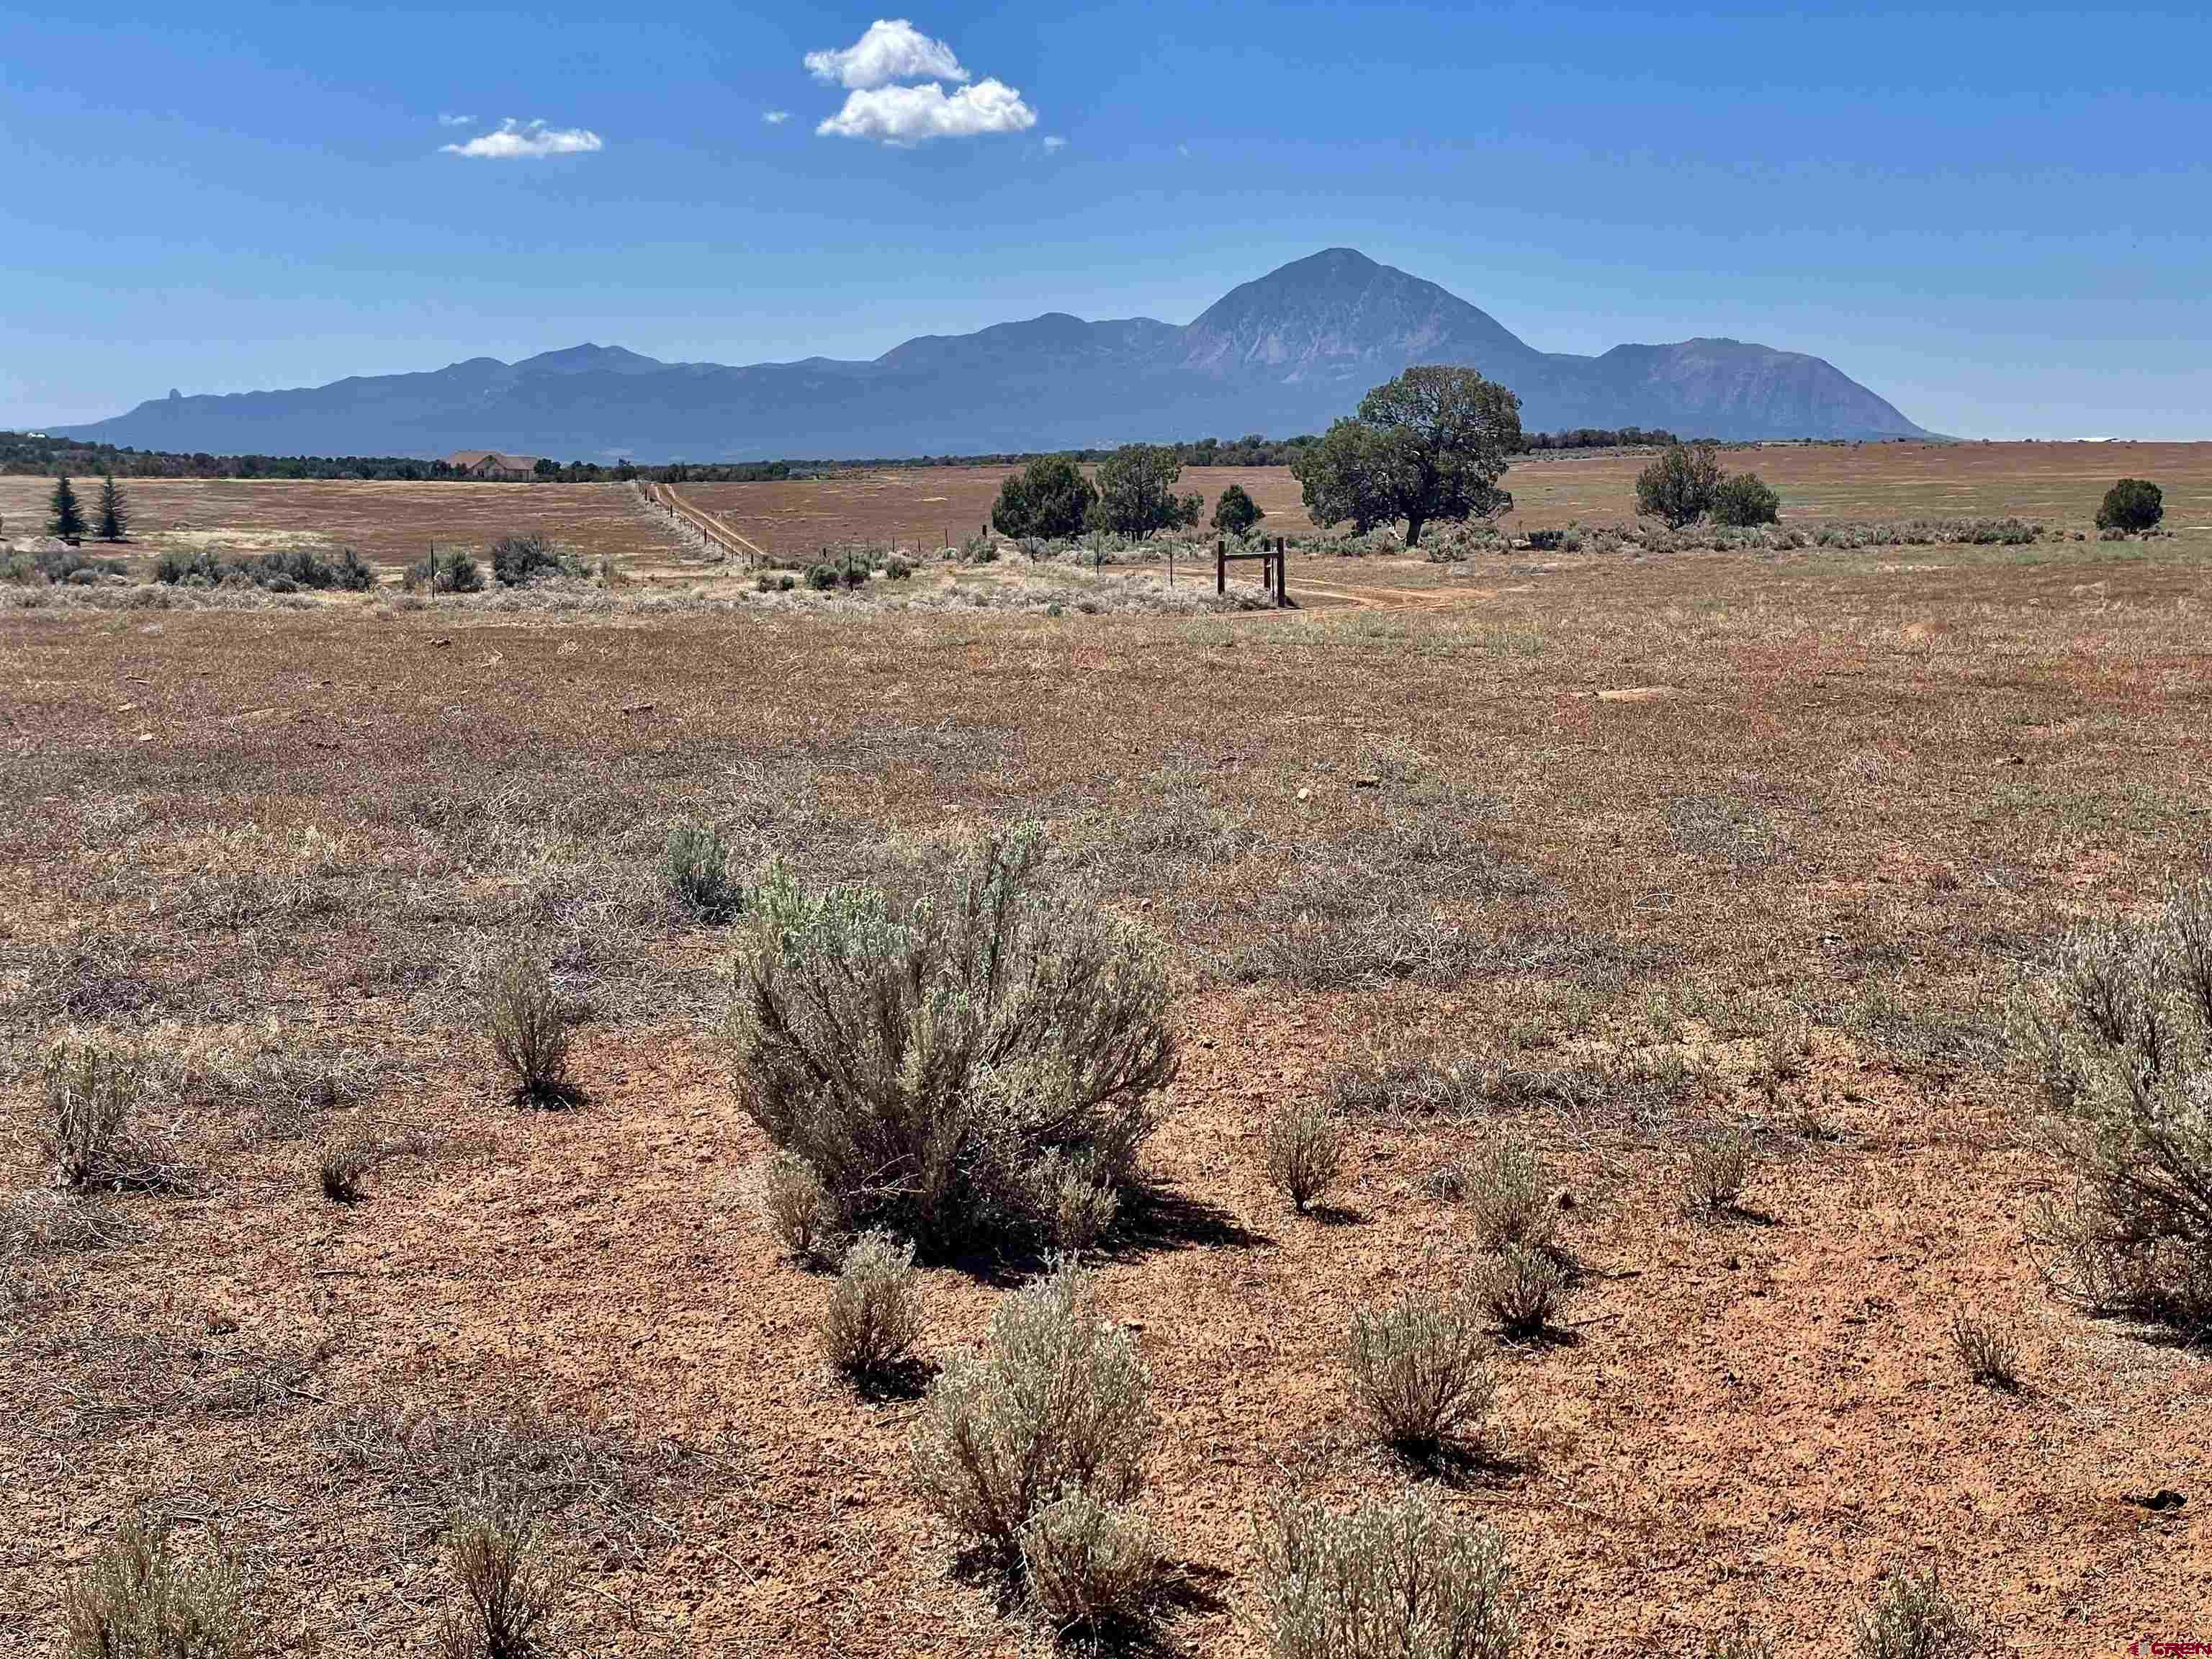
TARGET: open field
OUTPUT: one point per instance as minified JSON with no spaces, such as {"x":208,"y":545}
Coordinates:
{"x":2058,"y":485}
{"x":1635,"y":848}
{"x":389,"y":524}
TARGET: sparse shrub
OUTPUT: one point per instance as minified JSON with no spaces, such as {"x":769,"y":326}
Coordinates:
{"x":1545,"y":541}
{"x":1681,"y":485}
{"x":1057,"y":1403}
{"x":528,"y":1025}
{"x":353,"y":573}
{"x":1739,"y":1641}
{"x":1913,"y":1617}
{"x":799,"y":1212}
{"x":137,"y":1599}
{"x":1509,"y":1199}
{"x":516,"y":559}
{"x":1090,"y":1566}
{"x":1716,"y":1171}
{"x":1305,"y":1150}
{"x":1990,"y":1350}
{"x":897,"y":568}
{"x":454,"y":571}
{"x":2132,"y":504}
{"x":695,"y":872}
{"x":1395,"y":1578}
{"x":509,"y":1592}
{"x":1420,"y":1369}
{"x":92,"y":1092}
{"x":345,"y":1160}
{"x":1523,"y":1288}
{"x":874,"y":1311}
{"x":2121,"y":1029}
{"x":822,"y":577}
{"x":928,"y":1059}
{"x":1742,"y":499}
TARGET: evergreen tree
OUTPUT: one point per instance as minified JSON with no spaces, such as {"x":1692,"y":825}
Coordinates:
{"x":68,"y":521}
{"x":114,"y":510}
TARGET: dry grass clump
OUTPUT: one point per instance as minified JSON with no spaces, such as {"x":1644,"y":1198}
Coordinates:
{"x":1914,"y":1617}
{"x":1739,"y":1641}
{"x":1524,"y":1287}
{"x":527,"y":1024}
{"x":1417,"y":1085}
{"x":508,"y":1591}
{"x":1421,"y":1371}
{"x":1305,"y":1148}
{"x":2122,"y":1028}
{"x":1090,"y":1566}
{"x":345,"y":1161}
{"x":1395,"y":1578}
{"x":1717,"y":1170}
{"x":1508,"y":1196}
{"x":137,"y":1599}
{"x":1991,"y":1351}
{"x":1057,"y":1402}
{"x":799,"y":1211}
{"x":946,"y":1066}
{"x":91,"y":1126}
{"x":874,"y":1311}
{"x":1334,"y":926}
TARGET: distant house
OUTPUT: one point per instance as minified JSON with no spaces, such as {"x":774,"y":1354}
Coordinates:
{"x":492,"y":464}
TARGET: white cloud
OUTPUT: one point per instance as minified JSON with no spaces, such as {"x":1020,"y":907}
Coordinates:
{"x":1055,"y":142}
{"x":892,"y":50}
{"x":527,"y":140}
{"x":911,"y":115}
{"x":776,"y":118}
{"x":456,"y":121}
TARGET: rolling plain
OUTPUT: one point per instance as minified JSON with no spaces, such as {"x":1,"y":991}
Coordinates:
{"x":1626,"y":848}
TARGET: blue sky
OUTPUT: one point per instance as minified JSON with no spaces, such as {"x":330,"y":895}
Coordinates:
{"x":1994,"y":217}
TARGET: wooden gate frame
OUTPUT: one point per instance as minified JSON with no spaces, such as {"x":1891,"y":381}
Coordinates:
{"x":1270,"y":578}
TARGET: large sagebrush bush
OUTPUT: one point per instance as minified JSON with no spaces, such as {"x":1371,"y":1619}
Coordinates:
{"x":137,"y":1599}
{"x":1400,"y":1577}
{"x":1057,"y":1402}
{"x":949,"y":1065}
{"x":2121,"y":1029}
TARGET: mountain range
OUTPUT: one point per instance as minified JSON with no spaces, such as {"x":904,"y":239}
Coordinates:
{"x":1286,"y":354}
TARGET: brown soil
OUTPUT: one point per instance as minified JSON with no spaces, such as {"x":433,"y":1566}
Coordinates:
{"x":1876,"y":790}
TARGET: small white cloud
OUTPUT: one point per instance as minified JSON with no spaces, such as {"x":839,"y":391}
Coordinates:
{"x":776,"y":118}
{"x":892,"y":50}
{"x":911,"y":115}
{"x":1055,"y":142}
{"x":456,"y":121}
{"x":527,"y":140}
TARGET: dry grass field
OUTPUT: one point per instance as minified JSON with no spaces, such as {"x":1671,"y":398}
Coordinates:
{"x":1615,"y":856}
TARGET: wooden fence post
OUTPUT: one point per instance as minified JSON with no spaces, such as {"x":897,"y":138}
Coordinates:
{"x":1220,"y":565}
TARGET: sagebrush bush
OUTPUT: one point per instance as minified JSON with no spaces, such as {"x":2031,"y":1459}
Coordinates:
{"x":1507,"y":1195}
{"x":1717,"y":1170}
{"x":1990,"y":1350}
{"x":137,"y":1599}
{"x":454,"y":571}
{"x":1913,"y":1617}
{"x":1057,"y":1402}
{"x":2121,"y":1030}
{"x":944,"y":1065}
{"x":1395,"y":1578}
{"x":1420,"y":1369}
{"x":516,"y":559}
{"x":695,"y":872}
{"x":508,"y":1593}
{"x":799,"y":1212}
{"x":1304,"y":1146}
{"x":874,"y":1312}
{"x":527,"y":1024}
{"x":1524,"y":1287}
{"x":1090,"y":1566}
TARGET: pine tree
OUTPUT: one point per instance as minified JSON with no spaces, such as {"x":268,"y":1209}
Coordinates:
{"x":69,"y":518}
{"x":114,"y":510}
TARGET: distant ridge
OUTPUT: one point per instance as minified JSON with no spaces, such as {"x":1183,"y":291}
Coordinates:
{"x":1286,"y":353}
